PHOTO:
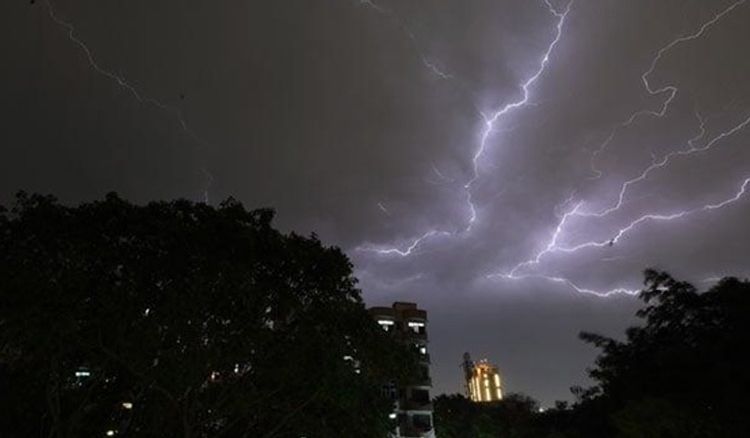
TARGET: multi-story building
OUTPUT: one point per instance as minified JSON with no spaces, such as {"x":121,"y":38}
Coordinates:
{"x":482,"y":380}
{"x":412,"y":404}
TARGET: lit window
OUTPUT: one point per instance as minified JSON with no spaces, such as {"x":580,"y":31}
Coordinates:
{"x":416,"y":327}
{"x":386,"y":324}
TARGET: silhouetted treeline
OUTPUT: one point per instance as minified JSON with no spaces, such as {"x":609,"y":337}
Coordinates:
{"x":181,"y":319}
{"x":683,"y":373}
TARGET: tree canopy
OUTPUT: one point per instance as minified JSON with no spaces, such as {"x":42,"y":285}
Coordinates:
{"x":181,"y":319}
{"x":686,"y":371}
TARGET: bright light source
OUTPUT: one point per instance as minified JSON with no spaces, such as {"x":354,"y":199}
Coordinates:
{"x":416,"y":324}
{"x":127,"y":405}
{"x":386,"y":324}
{"x":82,"y":373}
{"x":110,"y":432}
{"x":392,"y":415}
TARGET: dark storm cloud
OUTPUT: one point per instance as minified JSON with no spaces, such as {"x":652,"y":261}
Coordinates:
{"x":359,"y":120}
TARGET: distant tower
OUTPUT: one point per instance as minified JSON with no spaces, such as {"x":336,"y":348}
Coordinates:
{"x":482,"y":380}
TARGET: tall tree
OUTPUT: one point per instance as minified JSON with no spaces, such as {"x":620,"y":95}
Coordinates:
{"x":181,"y":319}
{"x":686,"y":371}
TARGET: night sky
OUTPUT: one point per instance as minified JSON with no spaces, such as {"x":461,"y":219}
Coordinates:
{"x":512,"y":166}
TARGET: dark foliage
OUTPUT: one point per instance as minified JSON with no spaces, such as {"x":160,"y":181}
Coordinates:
{"x":180,"y":319}
{"x":685,"y":372}
{"x":459,"y":417}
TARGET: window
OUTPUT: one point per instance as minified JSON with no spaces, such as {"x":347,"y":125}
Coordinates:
{"x":422,"y":422}
{"x":421,"y":396}
{"x":387,"y":324}
{"x":425,"y":373}
{"x":390,"y":391}
{"x":417,"y":327}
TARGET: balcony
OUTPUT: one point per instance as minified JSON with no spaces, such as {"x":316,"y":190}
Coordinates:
{"x":422,"y":382}
{"x":416,"y":405}
{"x":415,"y":432}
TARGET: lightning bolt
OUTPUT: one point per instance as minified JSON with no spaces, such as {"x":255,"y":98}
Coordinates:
{"x":657,"y":164}
{"x":131,"y":89}
{"x":665,"y":161}
{"x":431,"y":65}
{"x":499,"y":114}
{"x":523,"y":270}
{"x":489,"y":126}
{"x":553,"y":247}
{"x":383,"y":208}
{"x":409,"y":250}
{"x":566,"y":282}
{"x":670,"y":89}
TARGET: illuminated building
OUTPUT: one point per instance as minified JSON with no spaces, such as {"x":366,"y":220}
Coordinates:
{"x":482,"y":380}
{"x":412,"y":404}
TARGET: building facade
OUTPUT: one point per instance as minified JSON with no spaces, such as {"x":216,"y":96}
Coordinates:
{"x":412,"y":404}
{"x":482,"y":380}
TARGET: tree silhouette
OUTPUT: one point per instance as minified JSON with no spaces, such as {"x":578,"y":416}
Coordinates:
{"x":180,"y":319}
{"x":686,"y":371}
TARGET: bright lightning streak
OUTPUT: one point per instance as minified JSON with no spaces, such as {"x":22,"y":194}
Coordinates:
{"x":552,"y":246}
{"x":656,"y":164}
{"x":566,"y":282}
{"x":409,"y":250}
{"x":492,"y":120}
{"x":658,"y":217}
{"x":669,"y":88}
{"x":127,"y":86}
{"x":664,"y":162}
{"x":514,"y":275}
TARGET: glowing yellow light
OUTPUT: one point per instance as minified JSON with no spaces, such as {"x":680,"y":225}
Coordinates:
{"x":479,"y":392}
